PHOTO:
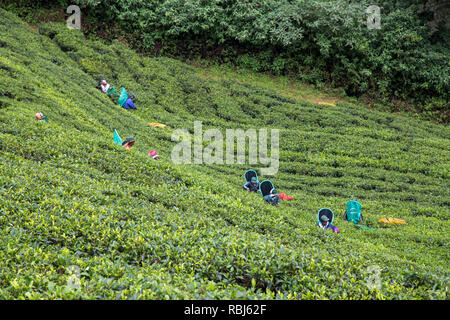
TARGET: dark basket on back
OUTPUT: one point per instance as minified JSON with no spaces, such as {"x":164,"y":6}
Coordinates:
{"x":325,"y":212}
{"x":249,"y":174}
{"x":265,"y":187}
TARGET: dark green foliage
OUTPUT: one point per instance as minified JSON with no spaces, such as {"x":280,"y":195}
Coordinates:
{"x":317,"y":41}
{"x":142,"y":229}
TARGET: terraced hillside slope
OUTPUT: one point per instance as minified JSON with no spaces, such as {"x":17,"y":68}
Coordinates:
{"x":83,"y":218}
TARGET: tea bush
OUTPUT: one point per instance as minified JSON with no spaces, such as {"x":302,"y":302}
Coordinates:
{"x":141,"y":229}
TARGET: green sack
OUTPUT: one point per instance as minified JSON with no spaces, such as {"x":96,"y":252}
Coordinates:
{"x":123,"y":97}
{"x":117,"y":138}
{"x":353,"y":212}
{"x":112,"y":92}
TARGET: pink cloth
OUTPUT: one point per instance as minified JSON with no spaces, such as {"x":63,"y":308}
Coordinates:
{"x":284,"y":196}
{"x":153,"y":154}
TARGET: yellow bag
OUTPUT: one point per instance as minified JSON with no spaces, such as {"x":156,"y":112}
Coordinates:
{"x":392,"y":221}
{"x":157,"y":125}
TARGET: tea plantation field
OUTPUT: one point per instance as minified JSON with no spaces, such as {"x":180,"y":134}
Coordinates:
{"x":135,"y":228}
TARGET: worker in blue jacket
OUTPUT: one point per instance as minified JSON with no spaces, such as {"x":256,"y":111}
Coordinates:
{"x":273,"y":198}
{"x":252,"y":185}
{"x":129,"y":103}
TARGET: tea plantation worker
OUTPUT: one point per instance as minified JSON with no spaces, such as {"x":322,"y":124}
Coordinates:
{"x":129,"y":103}
{"x":272,"y":198}
{"x":129,"y":142}
{"x":40,"y":116}
{"x":154,"y":154}
{"x":326,"y":225}
{"x":252,"y":185}
{"x":104,"y":86}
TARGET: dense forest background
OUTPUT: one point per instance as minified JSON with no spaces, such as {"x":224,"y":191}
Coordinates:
{"x":327,"y":43}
